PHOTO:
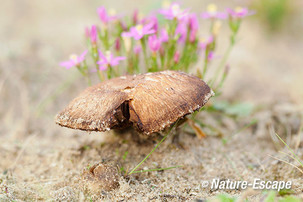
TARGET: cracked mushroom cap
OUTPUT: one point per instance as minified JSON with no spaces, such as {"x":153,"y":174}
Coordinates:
{"x":149,"y":102}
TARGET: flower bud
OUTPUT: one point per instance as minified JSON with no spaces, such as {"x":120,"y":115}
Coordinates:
{"x":137,"y":50}
{"x":177,"y":57}
{"x":135,"y":17}
{"x":117,"y":44}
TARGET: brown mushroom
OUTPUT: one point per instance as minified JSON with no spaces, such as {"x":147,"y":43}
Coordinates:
{"x":150,"y":102}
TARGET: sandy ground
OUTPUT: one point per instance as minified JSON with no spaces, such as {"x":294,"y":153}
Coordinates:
{"x":42,"y":161}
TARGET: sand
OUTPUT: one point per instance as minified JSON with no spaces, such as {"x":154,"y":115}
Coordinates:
{"x":41,"y":161}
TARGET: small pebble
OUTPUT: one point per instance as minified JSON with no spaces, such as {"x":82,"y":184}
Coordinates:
{"x":101,"y":177}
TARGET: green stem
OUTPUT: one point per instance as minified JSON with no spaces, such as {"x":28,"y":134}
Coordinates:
{"x":171,"y":44}
{"x":136,"y":64}
{"x":154,"y":67}
{"x":105,"y":39}
{"x":111,"y":72}
{"x":86,"y":73}
{"x":162,"y":61}
{"x":156,"y":169}
{"x":133,"y":170}
{"x":100,"y":75}
{"x":144,"y":53}
{"x":95,"y":56}
{"x":205,"y":63}
{"x":224,"y":59}
{"x":293,"y":153}
{"x":89,"y":82}
{"x":224,"y":75}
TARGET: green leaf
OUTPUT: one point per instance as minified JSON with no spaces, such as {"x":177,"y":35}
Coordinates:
{"x":224,"y":198}
{"x":237,"y":109}
{"x":290,"y":199}
{"x":241,"y":109}
{"x":124,"y":155}
{"x":270,"y":197}
{"x":284,"y":192}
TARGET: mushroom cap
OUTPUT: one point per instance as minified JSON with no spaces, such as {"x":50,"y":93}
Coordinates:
{"x":150,"y":102}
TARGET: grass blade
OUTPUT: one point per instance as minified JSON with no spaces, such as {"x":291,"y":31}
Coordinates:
{"x":156,"y":169}
{"x":293,"y":153}
{"x":133,"y":170}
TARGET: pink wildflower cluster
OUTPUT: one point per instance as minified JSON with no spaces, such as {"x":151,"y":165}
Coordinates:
{"x":177,"y":44}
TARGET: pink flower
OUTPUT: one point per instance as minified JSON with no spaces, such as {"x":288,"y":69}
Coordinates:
{"x":137,"y":50}
{"x":181,"y":31}
{"x":193,"y":21}
{"x":117,"y":44}
{"x":103,"y":15}
{"x":194,"y":26}
{"x":122,"y":25}
{"x":154,"y":43}
{"x":135,"y":16}
{"x":93,"y":34}
{"x":174,"y":12}
{"x":239,"y":12}
{"x":164,"y":36}
{"x":205,"y":42}
{"x":213,"y":13}
{"x":74,"y":60}
{"x":192,"y":35}
{"x":151,"y":20}
{"x":139,"y":31}
{"x":177,"y":57}
{"x":210,"y":55}
{"x":108,"y":60}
